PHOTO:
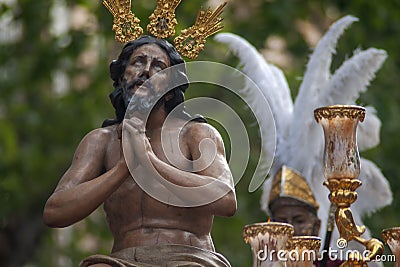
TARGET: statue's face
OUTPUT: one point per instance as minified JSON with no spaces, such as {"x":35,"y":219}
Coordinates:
{"x":145,"y":62}
{"x":303,"y":220}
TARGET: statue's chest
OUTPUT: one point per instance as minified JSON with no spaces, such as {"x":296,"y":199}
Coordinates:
{"x":172,"y":150}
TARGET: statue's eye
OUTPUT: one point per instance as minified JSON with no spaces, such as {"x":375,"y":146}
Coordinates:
{"x":138,"y":61}
{"x":159,"y":66}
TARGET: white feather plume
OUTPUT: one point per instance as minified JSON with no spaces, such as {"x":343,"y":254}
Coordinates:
{"x":270,"y":80}
{"x":315,"y":80}
{"x":317,"y":74}
{"x":300,"y":140}
{"x":353,"y":77}
{"x":375,"y":191}
{"x":368,"y":131}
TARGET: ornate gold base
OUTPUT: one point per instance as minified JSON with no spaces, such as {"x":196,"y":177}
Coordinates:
{"x":307,"y":247}
{"x":343,"y":195}
{"x":265,"y":238}
{"x":391,"y":236}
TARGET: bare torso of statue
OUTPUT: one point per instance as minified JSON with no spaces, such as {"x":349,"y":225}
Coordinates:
{"x":137,"y":219}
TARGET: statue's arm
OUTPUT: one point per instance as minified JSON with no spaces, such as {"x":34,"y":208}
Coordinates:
{"x":83,"y":187}
{"x":209,"y":183}
{"x":208,"y":155}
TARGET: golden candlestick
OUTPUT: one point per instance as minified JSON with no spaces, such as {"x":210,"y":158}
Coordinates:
{"x":391,"y":237}
{"x":266,"y":240}
{"x":341,"y":164}
{"x":302,"y":251}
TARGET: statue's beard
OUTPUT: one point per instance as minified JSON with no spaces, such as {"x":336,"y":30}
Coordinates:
{"x":141,"y":103}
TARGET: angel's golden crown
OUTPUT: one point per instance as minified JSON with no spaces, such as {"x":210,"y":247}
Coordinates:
{"x":162,"y":25}
{"x":289,"y":183}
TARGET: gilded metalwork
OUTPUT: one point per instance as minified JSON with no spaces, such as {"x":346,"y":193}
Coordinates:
{"x":272,"y":228}
{"x":391,"y":237}
{"x":342,"y":194}
{"x":289,"y":183}
{"x":341,"y":168}
{"x":270,"y":235}
{"x":304,"y":242}
{"x":346,"y":225}
{"x":191,"y":41}
{"x":391,"y":234}
{"x":342,"y":191}
{"x":349,"y":111}
{"x":373,"y":245}
{"x":126,"y":25}
{"x":162,"y":20}
{"x":162,"y":25}
{"x":355,"y":259}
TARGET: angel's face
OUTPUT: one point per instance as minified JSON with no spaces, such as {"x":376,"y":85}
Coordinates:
{"x":303,"y":219}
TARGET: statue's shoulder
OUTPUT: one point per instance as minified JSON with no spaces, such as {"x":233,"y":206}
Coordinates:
{"x":200,"y":130}
{"x":102,"y":135}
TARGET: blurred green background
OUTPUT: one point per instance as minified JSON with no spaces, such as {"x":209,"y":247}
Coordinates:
{"x":54,"y":86}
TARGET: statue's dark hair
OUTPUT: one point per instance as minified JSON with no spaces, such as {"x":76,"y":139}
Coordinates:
{"x":117,"y":69}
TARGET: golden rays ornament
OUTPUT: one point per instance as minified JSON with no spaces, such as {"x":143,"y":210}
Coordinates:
{"x":126,"y":25}
{"x":162,"y":25}
{"x":191,"y":41}
{"x":162,"y":21}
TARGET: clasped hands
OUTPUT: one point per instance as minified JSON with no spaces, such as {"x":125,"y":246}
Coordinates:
{"x":135,"y":144}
